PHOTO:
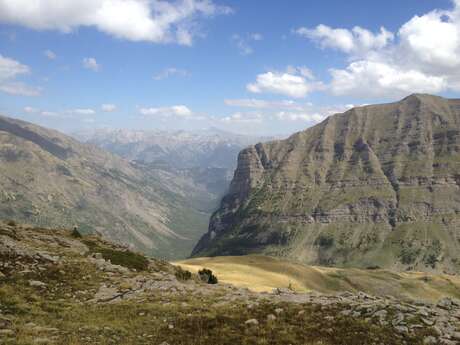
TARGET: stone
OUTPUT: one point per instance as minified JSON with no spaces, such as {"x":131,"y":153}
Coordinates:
{"x":278,"y":311}
{"x":427,"y":321}
{"x":6,"y":332}
{"x":397,"y":319}
{"x":271,"y":317}
{"x":381,"y":314}
{"x":430,"y":340}
{"x":445,"y":303}
{"x":251,"y":322}
{"x":402,"y":329}
{"x":36,"y":283}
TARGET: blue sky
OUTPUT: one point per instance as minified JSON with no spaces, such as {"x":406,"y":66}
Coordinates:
{"x":260,"y":67}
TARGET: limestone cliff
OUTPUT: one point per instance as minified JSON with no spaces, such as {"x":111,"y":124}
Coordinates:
{"x":376,"y":186}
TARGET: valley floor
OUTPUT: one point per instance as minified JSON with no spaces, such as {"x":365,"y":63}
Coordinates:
{"x":60,"y":288}
{"x":262,"y":273}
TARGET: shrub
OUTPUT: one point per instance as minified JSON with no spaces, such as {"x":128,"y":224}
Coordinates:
{"x":182,"y":274}
{"x":324,"y":241}
{"x":373,"y":267}
{"x":76,"y":233}
{"x":11,"y":223}
{"x":126,"y":259}
{"x":207,"y":276}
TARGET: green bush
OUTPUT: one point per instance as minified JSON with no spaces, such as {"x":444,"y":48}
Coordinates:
{"x":182,"y":274}
{"x":325,"y":241}
{"x":126,"y":259}
{"x":76,"y":233}
{"x":207,"y":276}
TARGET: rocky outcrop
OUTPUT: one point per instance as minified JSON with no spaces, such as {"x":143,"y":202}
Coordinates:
{"x":375,"y":186}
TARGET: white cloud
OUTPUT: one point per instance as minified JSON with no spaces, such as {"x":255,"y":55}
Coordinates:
{"x":91,"y":63}
{"x":243,"y":43}
{"x":171,"y":71}
{"x":50,"y":114}
{"x":108,"y":108}
{"x":293,"y":83}
{"x":176,"y":110}
{"x":31,"y":110}
{"x":20,"y":89}
{"x":83,"y":111}
{"x":135,"y":20}
{"x":256,"y":36}
{"x":291,"y":116}
{"x":50,"y":54}
{"x":243,"y":118}
{"x":375,"y":79}
{"x":423,"y":56}
{"x":261,"y":104}
{"x":10,"y":70}
{"x":355,"y":41}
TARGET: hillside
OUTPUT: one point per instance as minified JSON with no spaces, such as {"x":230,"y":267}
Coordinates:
{"x":59,"y":288}
{"x":262,"y":273}
{"x":49,"y":179}
{"x":376,"y":186}
{"x":205,"y":158}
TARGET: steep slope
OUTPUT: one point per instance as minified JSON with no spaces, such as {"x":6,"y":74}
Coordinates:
{"x":375,"y":186}
{"x":49,"y":179}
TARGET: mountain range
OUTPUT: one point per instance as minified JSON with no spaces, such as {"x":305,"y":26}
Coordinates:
{"x":376,"y":186}
{"x":156,"y":192}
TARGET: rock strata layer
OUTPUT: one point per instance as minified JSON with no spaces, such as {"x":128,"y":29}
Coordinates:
{"x":376,"y":186}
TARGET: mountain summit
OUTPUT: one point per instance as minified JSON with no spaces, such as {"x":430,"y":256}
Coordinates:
{"x":376,"y":186}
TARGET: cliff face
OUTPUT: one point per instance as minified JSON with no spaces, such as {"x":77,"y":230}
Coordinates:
{"x":375,"y":186}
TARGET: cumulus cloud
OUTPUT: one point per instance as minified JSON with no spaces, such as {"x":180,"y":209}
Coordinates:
{"x":355,"y":41}
{"x":170,"y":72}
{"x":176,"y":110}
{"x":295,"y":83}
{"x":373,"y":79}
{"x":108,"y":108}
{"x":50,"y":54}
{"x":155,"y":21}
{"x":10,"y":70}
{"x":91,"y":64}
{"x":422,"y":56}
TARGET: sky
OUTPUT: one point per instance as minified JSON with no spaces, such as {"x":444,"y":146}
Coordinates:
{"x":256,"y":67}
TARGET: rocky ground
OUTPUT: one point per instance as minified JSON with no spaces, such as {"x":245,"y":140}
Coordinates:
{"x":59,"y":288}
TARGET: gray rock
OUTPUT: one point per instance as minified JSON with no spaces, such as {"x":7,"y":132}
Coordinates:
{"x":271,"y":317}
{"x":251,"y":322}
{"x":402,"y":329}
{"x":6,"y":332}
{"x":430,"y":340}
{"x":36,"y":283}
{"x":445,"y":303}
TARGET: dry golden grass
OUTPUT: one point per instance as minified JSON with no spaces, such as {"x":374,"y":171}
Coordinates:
{"x":261,"y":273}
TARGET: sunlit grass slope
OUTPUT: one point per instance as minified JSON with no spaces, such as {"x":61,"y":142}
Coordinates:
{"x":262,"y":273}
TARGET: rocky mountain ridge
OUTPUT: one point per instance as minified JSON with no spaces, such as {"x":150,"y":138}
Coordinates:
{"x":375,"y":186}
